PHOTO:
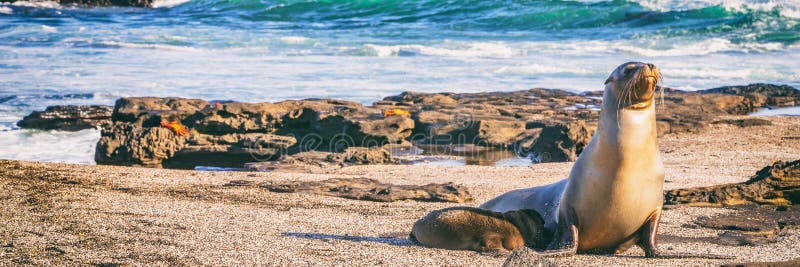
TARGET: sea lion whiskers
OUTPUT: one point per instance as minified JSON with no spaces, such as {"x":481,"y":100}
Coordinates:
{"x":613,"y":196}
{"x":628,"y":91}
{"x":639,"y":78}
{"x":638,"y":89}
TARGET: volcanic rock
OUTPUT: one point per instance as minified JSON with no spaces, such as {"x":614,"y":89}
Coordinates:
{"x":544,"y":124}
{"x":231,"y":134}
{"x":68,"y":118}
{"x":372,"y":190}
{"x":231,"y":150}
{"x":746,"y":122}
{"x":128,"y":144}
{"x":751,"y":224}
{"x":507,"y":120}
{"x":778,"y":184}
{"x":151,"y":111}
{"x":761,"y":94}
{"x":362,"y":155}
{"x":692,"y":111}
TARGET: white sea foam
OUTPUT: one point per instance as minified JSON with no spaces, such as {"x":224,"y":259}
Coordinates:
{"x":37,"y":4}
{"x":647,"y":48}
{"x":703,"y":47}
{"x":653,"y":48}
{"x":151,"y":46}
{"x":446,"y":49}
{"x":695,"y":72}
{"x":699,"y":72}
{"x":296,"y":40}
{"x":787,"y":8}
{"x":167,"y":3}
{"x":50,"y":146}
{"x":534,"y":69}
{"x":6,"y":10}
{"x":50,"y":29}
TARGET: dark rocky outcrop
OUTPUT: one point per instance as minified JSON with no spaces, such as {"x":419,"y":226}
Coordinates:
{"x":230,"y":150}
{"x":127,"y":144}
{"x":751,"y":224}
{"x":555,"y":141}
{"x":151,"y":111}
{"x":362,"y":155}
{"x":68,"y":118}
{"x":555,"y":125}
{"x":550,"y":125}
{"x":542,"y":124}
{"x":692,"y":111}
{"x":764,"y":206}
{"x":231,"y":134}
{"x":372,"y":190}
{"x":778,"y":184}
{"x":760,"y":94}
{"x":321,"y":161}
{"x":746,"y":122}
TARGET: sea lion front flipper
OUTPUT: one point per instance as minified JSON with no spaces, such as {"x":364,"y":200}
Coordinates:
{"x":491,"y":244}
{"x":648,"y":242}
{"x":649,"y":233}
{"x":565,"y":239}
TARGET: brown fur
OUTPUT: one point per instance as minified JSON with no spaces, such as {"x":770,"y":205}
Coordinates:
{"x":481,"y":230}
{"x":614,"y":192}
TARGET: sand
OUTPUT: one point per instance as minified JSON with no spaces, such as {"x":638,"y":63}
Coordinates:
{"x":62,"y":214}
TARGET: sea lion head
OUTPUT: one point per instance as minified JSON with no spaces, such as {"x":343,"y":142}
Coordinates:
{"x":634,"y":84}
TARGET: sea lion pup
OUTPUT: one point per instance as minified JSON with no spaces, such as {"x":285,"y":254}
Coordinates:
{"x":613,"y":196}
{"x":481,"y":230}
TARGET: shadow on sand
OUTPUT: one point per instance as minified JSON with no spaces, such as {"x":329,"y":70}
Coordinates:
{"x":386,"y":240}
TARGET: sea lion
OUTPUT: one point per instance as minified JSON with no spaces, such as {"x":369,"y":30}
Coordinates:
{"x":613,"y":196}
{"x":480,"y":230}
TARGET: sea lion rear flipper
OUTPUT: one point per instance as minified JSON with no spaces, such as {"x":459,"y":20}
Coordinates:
{"x":491,"y":244}
{"x":648,"y":242}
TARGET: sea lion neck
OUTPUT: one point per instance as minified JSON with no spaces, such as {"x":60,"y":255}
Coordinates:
{"x":622,"y":126}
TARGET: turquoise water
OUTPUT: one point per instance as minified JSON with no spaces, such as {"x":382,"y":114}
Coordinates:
{"x":259,"y":50}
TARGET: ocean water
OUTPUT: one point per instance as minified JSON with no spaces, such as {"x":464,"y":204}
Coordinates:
{"x":264,"y":50}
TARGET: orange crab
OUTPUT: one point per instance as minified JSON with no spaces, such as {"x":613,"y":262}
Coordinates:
{"x":397,"y":111}
{"x":176,"y":127}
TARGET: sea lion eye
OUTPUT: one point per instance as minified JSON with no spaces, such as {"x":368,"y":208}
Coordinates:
{"x":628,"y":69}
